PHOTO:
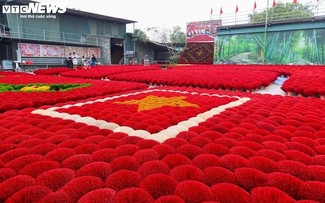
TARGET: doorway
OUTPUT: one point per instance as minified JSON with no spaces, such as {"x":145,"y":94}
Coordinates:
{"x":117,"y":50}
{"x":5,"y":51}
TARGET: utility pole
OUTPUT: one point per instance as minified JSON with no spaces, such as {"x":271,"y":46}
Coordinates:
{"x":133,"y":46}
{"x":265,"y":32}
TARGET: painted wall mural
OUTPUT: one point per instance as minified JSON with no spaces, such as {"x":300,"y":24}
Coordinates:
{"x":288,"y":47}
{"x":80,"y":51}
{"x":30,"y":50}
{"x":44,"y":50}
{"x":51,"y":50}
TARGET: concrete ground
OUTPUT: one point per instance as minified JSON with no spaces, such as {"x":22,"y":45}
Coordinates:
{"x":274,"y":88}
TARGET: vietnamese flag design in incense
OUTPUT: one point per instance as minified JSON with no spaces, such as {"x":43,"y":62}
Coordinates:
{"x":153,"y":112}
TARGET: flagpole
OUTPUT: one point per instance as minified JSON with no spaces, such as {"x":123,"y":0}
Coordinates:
{"x":265,"y":31}
{"x":236,"y":18}
{"x":236,"y":14}
{"x":211,"y":12}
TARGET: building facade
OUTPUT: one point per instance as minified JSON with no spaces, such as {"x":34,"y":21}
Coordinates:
{"x":137,"y":52}
{"x":49,"y":37}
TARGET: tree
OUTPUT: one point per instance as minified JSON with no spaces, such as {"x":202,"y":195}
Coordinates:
{"x":177,"y":36}
{"x":173,"y":39}
{"x":138,"y":37}
{"x":283,"y":11}
{"x":280,"y":43}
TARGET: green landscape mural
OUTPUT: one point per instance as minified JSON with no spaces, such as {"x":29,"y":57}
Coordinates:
{"x":288,"y":47}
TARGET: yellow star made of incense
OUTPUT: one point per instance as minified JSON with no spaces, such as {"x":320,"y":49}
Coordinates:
{"x":152,"y":102}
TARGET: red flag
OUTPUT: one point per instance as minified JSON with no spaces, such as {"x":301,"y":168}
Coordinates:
{"x":236,"y":9}
{"x":211,"y":12}
{"x":221,"y":11}
{"x":255,"y":5}
{"x":274,"y":3}
{"x":295,"y":1}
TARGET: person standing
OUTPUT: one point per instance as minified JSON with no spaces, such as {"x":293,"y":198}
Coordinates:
{"x":85,"y":62}
{"x":74,"y":60}
{"x":69,"y":61}
{"x":93,"y":60}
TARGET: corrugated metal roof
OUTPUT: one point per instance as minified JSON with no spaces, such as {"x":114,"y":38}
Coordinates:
{"x":81,"y":13}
